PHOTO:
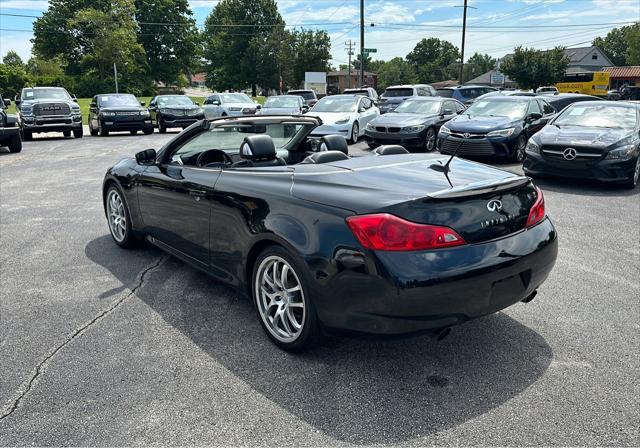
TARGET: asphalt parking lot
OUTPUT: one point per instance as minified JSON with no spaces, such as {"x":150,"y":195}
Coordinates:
{"x":102,"y":346}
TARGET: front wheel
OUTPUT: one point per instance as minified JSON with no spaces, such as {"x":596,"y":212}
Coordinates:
{"x":635,"y":178}
{"x":78,"y":133}
{"x":430,"y":140}
{"x":133,"y":132}
{"x":27,"y":136}
{"x":282,"y":297}
{"x":355,"y":133}
{"x":15,"y":145}
{"x":66,"y":133}
{"x":92,"y":131}
{"x":161,"y":127}
{"x":519,"y":151}
{"x":103,"y":132}
{"x":118,"y":218}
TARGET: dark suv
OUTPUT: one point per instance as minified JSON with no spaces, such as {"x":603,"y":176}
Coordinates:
{"x":464,"y":94}
{"x":9,"y":130}
{"x":174,"y":111}
{"x":48,"y":109}
{"x":393,"y":96}
{"x":115,"y":112}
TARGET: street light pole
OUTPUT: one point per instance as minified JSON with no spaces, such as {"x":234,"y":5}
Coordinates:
{"x":464,"y":29}
{"x":361,"y":43}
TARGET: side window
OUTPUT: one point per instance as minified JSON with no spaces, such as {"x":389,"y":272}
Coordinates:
{"x":448,"y":108}
{"x":207,"y":101}
{"x":459,"y":107}
{"x":534,"y":107}
{"x":366,"y":103}
{"x":547,"y":108}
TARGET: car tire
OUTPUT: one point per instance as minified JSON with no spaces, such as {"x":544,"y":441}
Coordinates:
{"x":519,"y":153}
{"x":103,"y":132}
{"x":293,"y":325}
{"x":635,"y":178}
{"x":78,"y":133}
{"x":161,"y":127}
{"x":27,"y":136}
{"x":15,"y":144}
{"x":430,"y":140}
{"x":117,"y":211}
{"x":92,"y":131}
{"x":133,"y":132}
{"x":148,"y":131}
{"x":355,"y":133}
{"x":66,"y":133}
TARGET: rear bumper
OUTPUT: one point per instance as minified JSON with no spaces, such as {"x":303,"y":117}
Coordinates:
{"x":406,"y":292}
{"x":415,"y":140}
{"x":602,"y":170}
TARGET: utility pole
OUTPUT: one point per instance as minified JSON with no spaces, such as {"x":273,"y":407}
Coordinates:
{"x":464,"y":30}
{"x":362,"y":42}
{"x":115,"y":75}
{"x":350,"y":45}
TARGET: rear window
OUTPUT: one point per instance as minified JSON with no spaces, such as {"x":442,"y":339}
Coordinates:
{"x":391,"y":93}
{"x":305,"y":95}
{"x":357,"y":92}
{"x":445,"y":93}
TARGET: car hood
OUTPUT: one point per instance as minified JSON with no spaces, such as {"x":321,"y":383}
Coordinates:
{"x":364,"y":184}
{"x":279,"y":110}
{"x":581,"y":136}
{"x":331,"y":117}
{"x":243,"y":105}
{"x":46,"y":101}
{"x":122,"y":109}
{"x":397,"y":119}
{"x":466,"y":123}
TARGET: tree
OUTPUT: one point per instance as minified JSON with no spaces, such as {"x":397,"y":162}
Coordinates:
{"x":434,"y":60}
{"x":395,"y":71}
{"x":477,"y":65}
{"x":312,"y":51}
{"x":532,"y":68}
{"x":13,"y":59}
{"x":620,"y":43}
{"x":168,"y":33}
{"x":367,"y":62}
{"x":12,"y":79}
{"x":242,"y":39}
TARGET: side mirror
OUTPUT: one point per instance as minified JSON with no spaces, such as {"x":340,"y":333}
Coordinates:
{"x":448,"y":112}
{"x":142,"y":103}
{"x":93,"y":105}
{"x":533,"y":116}
{"x":304,"y":109}
{"x":146,"y":157}
{"x":258,"y":106}
{"x":17,"y":100}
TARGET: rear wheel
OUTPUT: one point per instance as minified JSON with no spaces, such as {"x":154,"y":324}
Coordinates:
{"x":355,"y":133}
{"x":118,"y":218}
{"x":430,"y":140}
{"x":282,"y":297}
{"x":15,"y":144}
{"x":78,"y":133}
{"x":519,"y":151}
{"x":635,"y":178}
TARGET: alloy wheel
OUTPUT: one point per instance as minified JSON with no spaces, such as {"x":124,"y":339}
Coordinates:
{"x":355,"y":131}
{"x":430,"y":140}
{"x":280,"y":298}
{"x":520,"y":149}
{"x":636,"y":174}
{"x":117,"y":216}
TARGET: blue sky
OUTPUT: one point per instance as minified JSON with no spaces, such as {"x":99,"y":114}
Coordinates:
{"x":495,"y":26}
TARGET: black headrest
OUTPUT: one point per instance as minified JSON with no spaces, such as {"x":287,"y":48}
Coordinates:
{"x":326,"y":157}
{"x":387,"y":150}
{"x":258,"y":148}
{"x":334,"y":143}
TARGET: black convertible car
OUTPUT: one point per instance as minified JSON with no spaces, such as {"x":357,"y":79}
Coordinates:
{"x":391,"y":243}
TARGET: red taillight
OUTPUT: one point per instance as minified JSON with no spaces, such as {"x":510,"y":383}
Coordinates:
{"x":537,"y":212}
{"x":388,"y":232}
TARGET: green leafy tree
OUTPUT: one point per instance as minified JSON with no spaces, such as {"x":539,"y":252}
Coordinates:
{"x":620,"y":43}
{"x":312,"y":51}
{"x":168,"y":33}
{"x":12,"y":79}
{"x":242,"y":44}
{"x":532,"y":68}
{"x":434,"y":60}
{"x":396,"y":71}
{"x":477,"y":65}
{"x":12,"y":58}
{"x":367,"y":62}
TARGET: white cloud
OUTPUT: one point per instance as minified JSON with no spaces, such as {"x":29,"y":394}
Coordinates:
{"x":35,"y":5}
{"x":16,"y":42}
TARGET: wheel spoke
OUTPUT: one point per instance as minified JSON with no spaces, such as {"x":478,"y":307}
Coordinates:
{"x":292,"y":320}
{"x":284,"y":318}
{"x":283,"y":276}
{"x":293,"y":289}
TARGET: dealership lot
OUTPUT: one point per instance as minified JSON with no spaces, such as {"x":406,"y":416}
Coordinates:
{"x":105,"y":346}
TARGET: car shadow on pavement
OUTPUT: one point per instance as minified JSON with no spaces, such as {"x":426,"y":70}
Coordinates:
{"x":360,"y":391}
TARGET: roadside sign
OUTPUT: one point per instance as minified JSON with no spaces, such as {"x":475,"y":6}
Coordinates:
{"x":497,"y":79}
{"x":370,"y":50}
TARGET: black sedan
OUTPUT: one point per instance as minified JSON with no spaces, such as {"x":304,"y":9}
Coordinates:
{"x":413,"y":124}
{"x":495,"y":126}
{"x":384,"y":244}
{"x":596,"y":140}
{"x":118,"y":112}
{"x":174,"y":111}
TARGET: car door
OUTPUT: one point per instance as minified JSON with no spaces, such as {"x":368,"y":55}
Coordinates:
{"x":367,"y":112}
{"x":212,"y":106}
{"x":534,"y":125}
{"x":175,"y":201}
{"x":548,"y":112}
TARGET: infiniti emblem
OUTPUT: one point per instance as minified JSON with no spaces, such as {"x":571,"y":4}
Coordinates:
{"x":494,"y":205}
{"x":466,"y":135}
{"x":569,"y":154}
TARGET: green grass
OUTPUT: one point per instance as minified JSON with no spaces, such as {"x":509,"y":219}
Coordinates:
{"x":84,"y":103}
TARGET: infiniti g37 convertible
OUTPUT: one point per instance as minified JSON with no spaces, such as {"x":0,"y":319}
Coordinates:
{"x":390,"y":243}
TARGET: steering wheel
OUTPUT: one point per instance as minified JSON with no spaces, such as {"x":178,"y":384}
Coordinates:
{"x":212,"y":156}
